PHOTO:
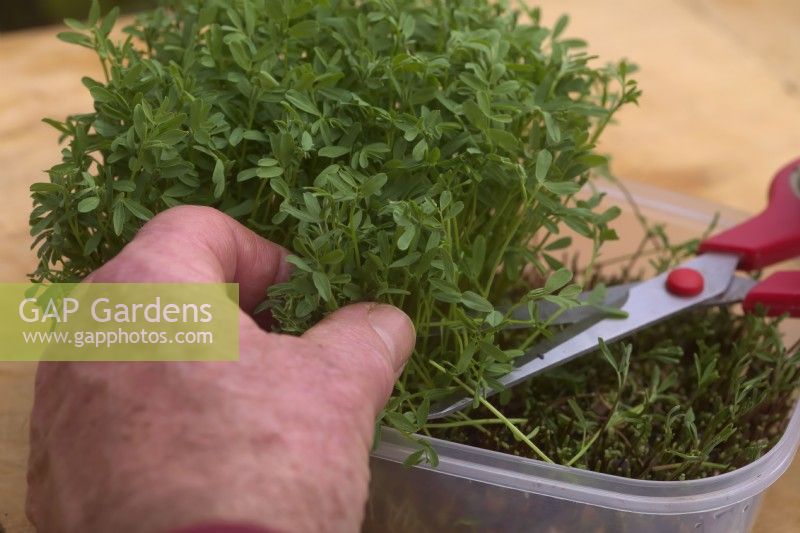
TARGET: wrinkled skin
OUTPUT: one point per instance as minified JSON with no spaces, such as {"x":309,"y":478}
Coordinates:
{"x":279,"y":439}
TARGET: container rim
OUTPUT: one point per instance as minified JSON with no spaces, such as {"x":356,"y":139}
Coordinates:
{"x":606,"y":490}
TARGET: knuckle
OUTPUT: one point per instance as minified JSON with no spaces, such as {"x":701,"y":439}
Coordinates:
{"x":185,"y":220}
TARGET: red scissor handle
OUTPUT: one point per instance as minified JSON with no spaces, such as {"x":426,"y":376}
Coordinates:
{"x":771,"y":236}
{"x":779,"y":293}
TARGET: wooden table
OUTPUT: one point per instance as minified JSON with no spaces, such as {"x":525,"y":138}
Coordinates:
{"x":720,"y":112}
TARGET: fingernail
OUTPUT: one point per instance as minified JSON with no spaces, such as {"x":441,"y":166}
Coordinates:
{"x":395,"y":329}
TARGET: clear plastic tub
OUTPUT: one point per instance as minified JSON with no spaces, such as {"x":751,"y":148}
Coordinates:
{"x":473,"y":489}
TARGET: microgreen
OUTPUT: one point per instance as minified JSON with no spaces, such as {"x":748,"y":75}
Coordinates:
{"x":427,"y":154}
{"x":695,"y":396}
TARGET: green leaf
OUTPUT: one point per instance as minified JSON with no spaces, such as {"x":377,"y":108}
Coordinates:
{"x":304,"y":30}
{"x":333,"y":151}
{"x":561,"y":25}
{"x":109,"y":20}
{"x":570,"y":291}
{"x":306,"y":142}
{"x":334,"y":257}
{"x":60,"y":126}
{"x":374,"y":184}
{"x":553,"y":131}
{"x":493,"y":352}
{"x":484,"y":103}
{"x":254,"y":135}
{"x":91,"y":244}
{"x":72,"y":37}
{"x":299,"y":263}
{"x":88,"y":204}
{"x":269,"y":172}
{"x":312,"y":205}
{"x":503,"y":139}
{"x":303,"y":216}
{"x":75,"y":24}
{"x":267,"y":162}
{"x":416,"y":457}
{"x":494,"y":318}
{"x":101,"y":94}
{"x":419,"y":150}
{"x":445,"y":291}
{"x":281,"y":187}
{"x":593,"y":160}
{"x":323,"y":285}
{"x":119,"y":218}
{"x":543,"y":161}
{"x":475,"y":115}
{"x":218,"y":178}
{"x":467,"y":354}
{"x":124,"y":186}
{"x":559,"y":244}
{"x":558,"y":279}
{"x":407,"y":25}
{"x":302,"y":102}
{"x":94,"y":12}
{"x":476,"y":302}
{"x":406,"y":237}
{"x":240,"y":55}
{"x":562,"y":187}
{"x":247,"y":174}
{"x":236,"y":136}
{"x":137,"y":209}
{"x":406,"y":261}
{"x":240,"y":209}
{"x":400,"y":422}
{"x":45,"y":187}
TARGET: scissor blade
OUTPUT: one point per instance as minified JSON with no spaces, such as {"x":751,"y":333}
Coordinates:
{"x":647,"y":303}
{"x":736,"y":291}
{"x":614,"y":297}
{"x":555,"y":315}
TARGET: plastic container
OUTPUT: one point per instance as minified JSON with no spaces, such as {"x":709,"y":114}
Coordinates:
{"x":473,"y":489}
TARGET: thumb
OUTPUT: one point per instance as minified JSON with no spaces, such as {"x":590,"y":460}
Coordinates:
{"x":371,"y":341}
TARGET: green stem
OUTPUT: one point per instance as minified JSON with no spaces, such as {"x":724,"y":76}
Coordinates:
{"x":474,"y":422}
{"x":510,"y":425}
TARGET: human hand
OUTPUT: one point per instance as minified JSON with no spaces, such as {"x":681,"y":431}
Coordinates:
{"x":278,"y":439}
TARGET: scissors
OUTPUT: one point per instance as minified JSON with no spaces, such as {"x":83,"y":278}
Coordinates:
{"x":708,"y":279}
